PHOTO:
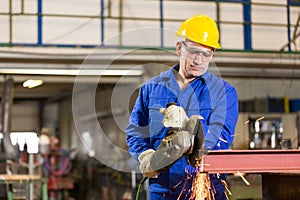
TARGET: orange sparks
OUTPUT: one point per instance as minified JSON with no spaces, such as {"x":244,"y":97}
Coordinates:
{"x":243,"y":178}
{"x":201,"y":189}
{"x":261,"y":118}
{"x":226,"y":187}
{"x":247,"y":122}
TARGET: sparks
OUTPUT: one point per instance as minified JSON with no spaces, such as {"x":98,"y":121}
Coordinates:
{"x":201,"y":187}
{"x":260,"y":118}
{"x":226,"y":187}
{"x":247,"y":122}
{"x":243,"y":178}
{"x":223,"y":140}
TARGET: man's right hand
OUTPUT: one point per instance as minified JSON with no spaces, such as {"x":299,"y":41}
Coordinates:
{"x":145,"y":166}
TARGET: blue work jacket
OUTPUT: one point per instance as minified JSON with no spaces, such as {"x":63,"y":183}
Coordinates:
{"x":207,"y":95}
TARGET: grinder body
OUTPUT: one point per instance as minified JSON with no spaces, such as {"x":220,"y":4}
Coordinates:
{"x":186,"y":142}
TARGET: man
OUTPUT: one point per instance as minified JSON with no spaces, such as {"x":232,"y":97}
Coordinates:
{"x":196,"y":92}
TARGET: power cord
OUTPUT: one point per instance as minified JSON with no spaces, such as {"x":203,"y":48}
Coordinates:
{"x":139,"y":188}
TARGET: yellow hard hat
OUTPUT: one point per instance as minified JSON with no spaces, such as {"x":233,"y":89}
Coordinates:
{"x":201,"y":29}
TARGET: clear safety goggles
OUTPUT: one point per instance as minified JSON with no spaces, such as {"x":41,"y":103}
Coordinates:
{"x":205,"y":54}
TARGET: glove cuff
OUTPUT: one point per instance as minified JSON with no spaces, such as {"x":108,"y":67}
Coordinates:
{"x":145,"y":166}
{"x":145,"y":154}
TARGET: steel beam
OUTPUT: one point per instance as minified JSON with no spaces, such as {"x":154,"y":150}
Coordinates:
{"x":251,"y":161}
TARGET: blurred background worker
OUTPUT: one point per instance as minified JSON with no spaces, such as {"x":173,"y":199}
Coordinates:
{"x":195,"y":91}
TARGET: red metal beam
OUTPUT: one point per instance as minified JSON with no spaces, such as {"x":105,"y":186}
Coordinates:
{"x":252,"y":161}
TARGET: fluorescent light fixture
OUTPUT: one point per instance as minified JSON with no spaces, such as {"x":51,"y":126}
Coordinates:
{"x":32,"y":83}
{"x":75,"y":72}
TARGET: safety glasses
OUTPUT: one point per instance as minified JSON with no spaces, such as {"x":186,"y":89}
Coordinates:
{"x":205,"y":55}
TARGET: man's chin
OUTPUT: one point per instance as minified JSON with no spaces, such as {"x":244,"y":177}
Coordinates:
{"x":198,"y":72}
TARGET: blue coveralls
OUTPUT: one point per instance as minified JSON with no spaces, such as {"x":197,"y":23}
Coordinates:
{"x":209,"y":96}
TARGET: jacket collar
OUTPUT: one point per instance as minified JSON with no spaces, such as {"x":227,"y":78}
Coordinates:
{"x":169,"y":76}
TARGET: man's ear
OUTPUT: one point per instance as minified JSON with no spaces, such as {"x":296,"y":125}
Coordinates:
{"x":179,"y":48}
{"x":213,"y":56}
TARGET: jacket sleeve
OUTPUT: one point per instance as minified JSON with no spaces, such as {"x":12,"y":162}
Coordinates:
{"x":137,"y":130}
{"x":220,"y":127}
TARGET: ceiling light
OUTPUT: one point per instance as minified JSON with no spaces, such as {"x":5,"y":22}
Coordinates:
{"x":32,"y":83}
{"x":74,"y":72}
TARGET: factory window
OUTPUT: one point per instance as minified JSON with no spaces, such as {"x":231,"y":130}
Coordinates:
{"x":294,"y":2}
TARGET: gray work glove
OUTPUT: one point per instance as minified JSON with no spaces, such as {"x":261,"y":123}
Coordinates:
{"x":171,"y":149}
{"x":174,"y":116}
{"x":145,"y":166}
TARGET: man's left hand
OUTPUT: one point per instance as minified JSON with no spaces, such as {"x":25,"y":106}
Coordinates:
{"x":174,"y":116}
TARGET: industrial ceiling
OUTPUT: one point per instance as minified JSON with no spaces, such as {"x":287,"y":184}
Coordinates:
{"x":60,"y":67}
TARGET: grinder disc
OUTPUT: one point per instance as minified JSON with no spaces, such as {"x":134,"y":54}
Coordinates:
{"x":194,"y":156}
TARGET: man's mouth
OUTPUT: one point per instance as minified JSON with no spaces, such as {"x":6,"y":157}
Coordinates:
{"x":193,"y":67}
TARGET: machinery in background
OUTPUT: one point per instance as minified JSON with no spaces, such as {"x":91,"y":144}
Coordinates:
{"x":24,"y":172}
{"x":265,"y":133}
{"x":28,"y":165}
{"x":57,"y":165}
{"x":7,"y":150}
{"x":39,"y":155}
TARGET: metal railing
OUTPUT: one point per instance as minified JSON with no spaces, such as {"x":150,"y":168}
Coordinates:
{"x":103,"y":16}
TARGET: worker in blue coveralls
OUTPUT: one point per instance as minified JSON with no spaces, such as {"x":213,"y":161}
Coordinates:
{"x":196,"y":91}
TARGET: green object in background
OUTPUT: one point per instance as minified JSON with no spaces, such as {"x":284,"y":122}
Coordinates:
{"x":10,"y":193}
{"x":45,"y":190}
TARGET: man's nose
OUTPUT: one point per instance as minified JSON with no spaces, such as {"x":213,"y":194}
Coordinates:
{"x":198,"y":59}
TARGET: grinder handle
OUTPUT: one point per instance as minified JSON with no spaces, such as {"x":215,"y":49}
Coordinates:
{"x":162,"y":110}
{"x":171,"y":104}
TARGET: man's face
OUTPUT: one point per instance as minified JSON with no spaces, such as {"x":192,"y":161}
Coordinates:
{"x":194,"y":58}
